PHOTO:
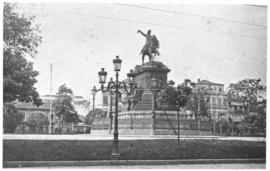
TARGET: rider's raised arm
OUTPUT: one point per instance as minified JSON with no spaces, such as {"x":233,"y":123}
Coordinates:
{"x":139,"y":31}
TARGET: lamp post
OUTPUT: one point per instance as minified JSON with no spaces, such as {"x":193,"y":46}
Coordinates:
{"x":198,"y":116}
{"x":154,"y":89}
{"x":94,"y":92}
{"x":110,"y":113}
{"x":178,"y":122}
{"x":115,"y":86}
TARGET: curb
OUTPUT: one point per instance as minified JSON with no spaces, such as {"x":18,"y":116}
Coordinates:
{"x":18,"y":164}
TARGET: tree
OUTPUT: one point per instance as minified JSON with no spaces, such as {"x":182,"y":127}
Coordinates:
{"x":63,"y":106}
{"x":92,"y":115}
{"x":248,"y":90}
{"x":198,"y":103}
{"x":257,"y":121}
{"x":21,"y":39}
{"x":177,"y":96}
{"x":37,"y":120}
{"x":251,"y":92}
{"x":12,"y":118}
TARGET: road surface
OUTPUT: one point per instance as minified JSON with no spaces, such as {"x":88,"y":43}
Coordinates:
{"x":109,"y":137}
{"x":179,"y":166}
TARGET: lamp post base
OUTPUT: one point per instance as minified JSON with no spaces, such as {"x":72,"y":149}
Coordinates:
{"x":115,"y":147}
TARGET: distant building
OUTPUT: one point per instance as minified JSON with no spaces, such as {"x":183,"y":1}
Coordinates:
{"x":218,"y":106}
{"x":30,"y":109}
{"x":237,"y":110}
{"x":80,"y":104}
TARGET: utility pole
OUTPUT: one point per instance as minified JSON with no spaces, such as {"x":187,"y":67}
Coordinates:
{"x":178,"y":124}
{"x":198,"y":115}
{"x":50,"y":128}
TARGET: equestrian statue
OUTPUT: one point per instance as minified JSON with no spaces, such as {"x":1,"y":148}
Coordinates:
{"x":151,"y":46}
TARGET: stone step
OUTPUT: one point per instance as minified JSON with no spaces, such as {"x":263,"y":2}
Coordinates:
{"x":147,"y":97}
{"x":144,"y":102}
{"x":143,"y":109}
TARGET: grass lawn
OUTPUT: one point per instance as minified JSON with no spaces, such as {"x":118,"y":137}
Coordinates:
{"x":57,"y":150}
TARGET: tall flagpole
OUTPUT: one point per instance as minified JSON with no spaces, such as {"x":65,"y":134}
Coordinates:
{"x":50,"y":129}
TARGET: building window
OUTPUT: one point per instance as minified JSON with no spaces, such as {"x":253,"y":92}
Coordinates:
{"x":241,"y":108}
{"x":214,"y":101}
{"x":219,"y":102}
{"x":224,"y":102}
{"x":220,"y":89}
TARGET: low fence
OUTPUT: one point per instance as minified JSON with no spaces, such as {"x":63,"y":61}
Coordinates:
{"x":162,"y":122}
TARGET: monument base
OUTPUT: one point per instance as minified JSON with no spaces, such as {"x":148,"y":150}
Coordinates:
{"x":159,"y":123}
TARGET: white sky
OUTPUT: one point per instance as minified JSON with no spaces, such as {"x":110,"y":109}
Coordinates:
{"x":78,"y":40}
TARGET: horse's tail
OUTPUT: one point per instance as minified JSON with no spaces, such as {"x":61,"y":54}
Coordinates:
{"x":155,"y":42}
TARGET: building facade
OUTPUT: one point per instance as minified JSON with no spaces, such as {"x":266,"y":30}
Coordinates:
{"x":217,"y":103}
{"x":80,"y":104}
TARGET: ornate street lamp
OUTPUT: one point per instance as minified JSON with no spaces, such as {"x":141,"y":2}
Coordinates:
{"x":178,"y":121}
{"x":117,"y":64}
{"x":94,"y":92}
{"x":102,"y":76}
{"x":114,"y":86}
{"x":131,"y":76}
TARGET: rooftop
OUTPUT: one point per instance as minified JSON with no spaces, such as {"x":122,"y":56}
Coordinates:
{"x":21,"y":105}
{"x":208,"y":82}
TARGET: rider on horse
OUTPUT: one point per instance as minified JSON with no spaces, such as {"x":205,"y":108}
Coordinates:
{"x":151,"y":45}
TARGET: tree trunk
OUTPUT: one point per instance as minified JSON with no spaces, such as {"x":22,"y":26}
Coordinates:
{"x":72,"y":128}
{"x":62,"y":129}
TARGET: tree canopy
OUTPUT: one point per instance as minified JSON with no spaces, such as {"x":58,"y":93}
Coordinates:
{"x":12,"y":118}
{"x":248,"y":90}
{"x":63,"y":105}
{"x":177,"y":95}
{"x":93,"y":114}
{"x":37,"y":119}
{"x":21,"y":39}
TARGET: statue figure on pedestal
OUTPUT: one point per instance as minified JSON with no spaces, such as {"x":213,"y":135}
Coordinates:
{"x":151,"y":46}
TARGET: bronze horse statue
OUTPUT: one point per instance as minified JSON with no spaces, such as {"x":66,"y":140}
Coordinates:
{"x":151,"y":46}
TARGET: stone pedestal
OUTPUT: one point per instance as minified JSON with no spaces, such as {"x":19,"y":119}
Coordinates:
{"x":143,"y":75}
{"x":147,"y":71}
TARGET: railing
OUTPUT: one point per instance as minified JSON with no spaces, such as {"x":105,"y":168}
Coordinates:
{"x":170,"y":123}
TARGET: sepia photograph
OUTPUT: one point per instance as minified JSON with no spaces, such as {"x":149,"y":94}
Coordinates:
{"x":134,"y":85}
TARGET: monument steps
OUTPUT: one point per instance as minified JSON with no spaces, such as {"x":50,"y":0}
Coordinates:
{"x":145,"y":104}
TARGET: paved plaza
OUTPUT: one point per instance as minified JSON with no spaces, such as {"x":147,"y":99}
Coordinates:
{"x":180,"y":166}
{"x":108,"y":137}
